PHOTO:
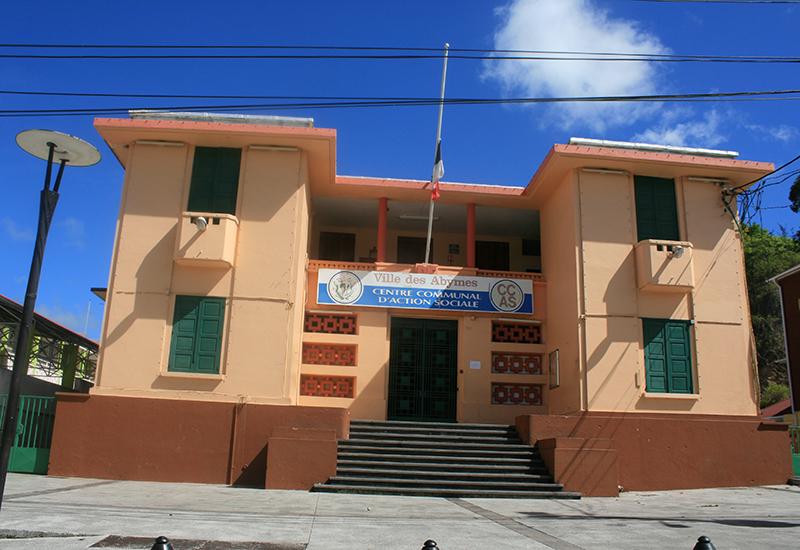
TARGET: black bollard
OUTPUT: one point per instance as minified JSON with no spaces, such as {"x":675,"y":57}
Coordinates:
{"x":430,"y":545}
{"x":162,"y":543}
{"x":704,"y":543}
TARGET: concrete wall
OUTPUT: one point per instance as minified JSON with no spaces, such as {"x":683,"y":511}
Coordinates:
{"x":262,"y":332}
{"x":112,"y":437}
{"x":560,"y":235}
{"x":657,"y":451}
{"x":614,"y":306}
{"x":474,"y":403}
{"x":590,"y":307}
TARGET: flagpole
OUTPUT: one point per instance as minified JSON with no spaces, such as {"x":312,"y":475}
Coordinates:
{"x":437,"y":151}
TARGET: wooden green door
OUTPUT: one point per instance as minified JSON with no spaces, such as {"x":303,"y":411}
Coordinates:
{"x":30,"y":453}
{"x":196,"y":334}
{"x":422,"y":370}
{"x":667,"y":356}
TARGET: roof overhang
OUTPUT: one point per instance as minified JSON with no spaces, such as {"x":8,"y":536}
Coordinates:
{"x":563,"y":158}
{"x":420,"y":191}
{"x":318,"y":143}
{"x":788,"y":273}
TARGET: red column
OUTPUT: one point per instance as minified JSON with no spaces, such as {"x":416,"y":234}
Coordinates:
{"x":383,"y":208}
{"x":471,"y":235}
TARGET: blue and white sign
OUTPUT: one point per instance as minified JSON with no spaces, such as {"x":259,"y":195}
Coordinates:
{"x":423,"y":291}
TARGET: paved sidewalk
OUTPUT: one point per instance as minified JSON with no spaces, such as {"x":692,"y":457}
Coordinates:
{"x":69,"y":513}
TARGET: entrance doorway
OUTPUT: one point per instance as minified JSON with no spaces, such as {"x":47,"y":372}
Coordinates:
{"x":422,"y":370}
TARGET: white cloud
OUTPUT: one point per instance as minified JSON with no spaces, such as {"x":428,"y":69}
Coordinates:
{"x":15,"y":232}
{"x":576,"y":25}
{"x":75,"y":231}
{"x":782,"y":132}
{"x":70,"y":319}
{"x":705,"y":132}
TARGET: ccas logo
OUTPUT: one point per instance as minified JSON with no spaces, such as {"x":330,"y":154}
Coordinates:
{"x":506,"y":296}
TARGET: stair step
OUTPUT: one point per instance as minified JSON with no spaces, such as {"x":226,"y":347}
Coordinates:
{"x":412,"y":452}
{"x":438,"y":444}
{"x":434,"y":492}
{"x":437,"y":438}
{"x":488,"y":467}
{"x":409,"y":423}
{"x":494,"y":432}
{"x":415,"y":473}
{"x":443,"y":484}
{"x":438,"y":458}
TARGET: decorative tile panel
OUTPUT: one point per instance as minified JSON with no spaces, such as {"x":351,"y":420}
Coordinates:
{"x":317,"y":385}
{"x":341,"y":355}
{"x":516,"y":363}
{"x":331,"y":323}
{"x":516,"y":333}
{"x":516,"y":394}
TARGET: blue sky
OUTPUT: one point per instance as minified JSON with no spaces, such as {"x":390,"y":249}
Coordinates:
{"x":484,"y":144}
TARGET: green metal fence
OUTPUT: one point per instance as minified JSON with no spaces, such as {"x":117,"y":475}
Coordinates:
{"x":31,"y":450}
{"x":794,"y":436}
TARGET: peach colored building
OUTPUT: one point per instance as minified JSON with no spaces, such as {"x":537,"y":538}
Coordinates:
{"x":257,"y":301}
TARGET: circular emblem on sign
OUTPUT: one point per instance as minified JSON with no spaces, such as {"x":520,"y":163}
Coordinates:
{"x":345,"y":287}
{"x":506,"y":295}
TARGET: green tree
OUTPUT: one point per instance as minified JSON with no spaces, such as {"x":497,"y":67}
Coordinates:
{"x":794,"y":195}
{"x":774,"y":393}
{"x":766,"y":255}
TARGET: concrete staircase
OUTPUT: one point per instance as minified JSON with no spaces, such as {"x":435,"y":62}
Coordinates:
{"x":440,"y":459}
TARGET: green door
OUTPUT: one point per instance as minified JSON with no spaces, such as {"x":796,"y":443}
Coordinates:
{"x":30,"y":453}
{"x":196,"y":334}
{"x":667,"y":356}
{"x":422,"y":370}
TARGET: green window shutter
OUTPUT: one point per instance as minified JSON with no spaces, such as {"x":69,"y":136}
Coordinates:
{"x":196,"y":334}
{"x":667,"y":356}
{"x":655,"y":356}
{"x":679,"y":358}
{"x":656,"y":209}
{"x":215,"y":180}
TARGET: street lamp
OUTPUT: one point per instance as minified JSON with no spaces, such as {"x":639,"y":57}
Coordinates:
{"x":52,"y":147}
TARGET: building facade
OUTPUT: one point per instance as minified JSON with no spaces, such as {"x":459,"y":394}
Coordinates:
{"x":789,"y":284}
{"x":257,"y":301}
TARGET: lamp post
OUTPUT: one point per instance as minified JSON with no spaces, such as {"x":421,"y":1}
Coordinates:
{"x":52,"y":147}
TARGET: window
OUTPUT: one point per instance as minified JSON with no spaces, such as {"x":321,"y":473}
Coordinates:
{"x":338,"y":247}
{"x":656,"y":209}
{"x":411,"y":250}
{"x":531,"y":247}
{"x":667,"y":356}
{"x":492,"y":255}
{"x":196,"y":334}
{"x":215,"y":180}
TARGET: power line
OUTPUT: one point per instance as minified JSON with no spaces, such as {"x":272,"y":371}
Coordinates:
{"x":784,"y":95}
{"x":778,"y":169}
{"x":201,"y":96}
{"x":656,"y":97}
{"x":630,"y":58}
{"x":378,"y":48}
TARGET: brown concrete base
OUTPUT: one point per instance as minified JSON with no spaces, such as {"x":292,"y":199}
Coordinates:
{"x":667,"y":451}
{"x":588,"y":466}
{"x":296,"y":459}
{"x":189,"y":441}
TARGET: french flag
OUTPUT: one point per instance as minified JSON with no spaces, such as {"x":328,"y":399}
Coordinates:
{"x":438,"y":171}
